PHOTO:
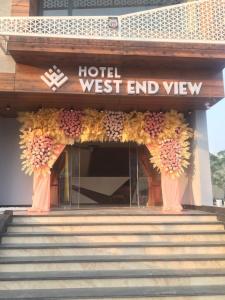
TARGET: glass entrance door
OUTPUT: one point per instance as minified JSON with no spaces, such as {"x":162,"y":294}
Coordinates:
{"x":99,"y":174}
{"x":105,"y":175}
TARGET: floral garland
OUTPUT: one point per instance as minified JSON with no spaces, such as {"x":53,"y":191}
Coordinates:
{"x":154,"y":123}
{"x":70,"y":121}
{"x":113,"y":123}
{"x":166,"y":135}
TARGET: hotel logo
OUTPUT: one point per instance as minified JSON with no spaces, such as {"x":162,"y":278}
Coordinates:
{"x":54,"y":78}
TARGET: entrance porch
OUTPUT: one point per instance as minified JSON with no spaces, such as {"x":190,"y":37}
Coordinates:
{"x":105,"y":175}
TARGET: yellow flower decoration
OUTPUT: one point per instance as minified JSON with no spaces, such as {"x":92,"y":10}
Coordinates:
{"x":168,"y":140}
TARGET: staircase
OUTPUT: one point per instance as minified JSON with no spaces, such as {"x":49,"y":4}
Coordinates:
{"x":113,"y":254}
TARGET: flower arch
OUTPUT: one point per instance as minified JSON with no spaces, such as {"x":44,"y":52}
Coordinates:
{"x":43,"y":133}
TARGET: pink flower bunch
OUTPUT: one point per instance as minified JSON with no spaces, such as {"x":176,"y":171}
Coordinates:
{"x":154,"y":123}
{"x":171,"y":155}
{"x":40,"y":150}
{"x":114,"y":124}
{"x":71,"y":122}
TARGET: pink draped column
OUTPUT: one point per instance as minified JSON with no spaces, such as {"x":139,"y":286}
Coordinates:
{"x":41,"y":193}
{"x":41,"y":187}
{"x":173,"y":191}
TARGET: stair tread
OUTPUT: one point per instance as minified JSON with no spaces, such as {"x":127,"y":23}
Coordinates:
{"x":6,"y":276}
{"x":111,"y":245}
{"x":113,"y":292}
{"x":110,"y":258}
{"x":36,"y":234}
{"x":109,"y":292}
{"x":114,"y":223}
{"x":116,"y":213}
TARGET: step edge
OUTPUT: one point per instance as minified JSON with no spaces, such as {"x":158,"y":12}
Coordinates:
{"x":120,"y":233}
{"x":122,"y":292}
{"x":53,"y":277}
{"x":110,"y":245}
{"x":119,"y":258}
{"x":114,"y":223}
{"x":116,"y":215}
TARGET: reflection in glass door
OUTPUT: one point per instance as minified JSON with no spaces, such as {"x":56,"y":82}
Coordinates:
{"x":100,"y":175}
{"x":104,"y":175}
{"x":149,"y":180}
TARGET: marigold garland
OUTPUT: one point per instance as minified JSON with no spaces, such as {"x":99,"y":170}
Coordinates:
{"x":166,"y":135}
{"x":93,"y":128}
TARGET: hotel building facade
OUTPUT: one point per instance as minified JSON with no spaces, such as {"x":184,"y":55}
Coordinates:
{"x":152,"y":56}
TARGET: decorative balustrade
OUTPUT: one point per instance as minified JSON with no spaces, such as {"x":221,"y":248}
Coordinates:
{"x":200,"y":21}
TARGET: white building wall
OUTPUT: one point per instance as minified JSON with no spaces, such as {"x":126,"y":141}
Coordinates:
{"x":5,"y":8}
{"x":199,"y":191}
{"x":15,"y":186}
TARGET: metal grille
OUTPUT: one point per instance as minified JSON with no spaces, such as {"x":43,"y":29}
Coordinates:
{"x":122,"y":3}
{"x":56,"y":4}
{"x":53,"y":4}
{"x":200,"y":21}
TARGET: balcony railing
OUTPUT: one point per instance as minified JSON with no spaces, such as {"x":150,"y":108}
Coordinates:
{"x":201,"y":21}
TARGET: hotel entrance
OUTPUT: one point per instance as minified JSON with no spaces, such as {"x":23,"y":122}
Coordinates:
{"x":104,"y":175}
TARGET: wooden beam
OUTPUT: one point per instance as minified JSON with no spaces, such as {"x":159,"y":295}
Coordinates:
{"x":114,"y":47}
{"x":23,"y":50}
{"x":7,"y":81}
{"x":23,"y":7}
{"x":30,"y":101}
{"x":20,"y":7}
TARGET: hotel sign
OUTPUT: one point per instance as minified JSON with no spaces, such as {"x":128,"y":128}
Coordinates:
{"x":125,"y":81}
{"x":109,"y":80}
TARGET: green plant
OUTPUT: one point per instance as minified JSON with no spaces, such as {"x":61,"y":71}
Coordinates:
{"x":218,"y":169}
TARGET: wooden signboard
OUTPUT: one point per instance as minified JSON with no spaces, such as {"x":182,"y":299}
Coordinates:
{"x":117,"y":80}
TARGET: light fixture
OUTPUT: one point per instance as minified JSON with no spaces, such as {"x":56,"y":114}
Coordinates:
{"x":113,"y":22}
{"x":207,"y":105}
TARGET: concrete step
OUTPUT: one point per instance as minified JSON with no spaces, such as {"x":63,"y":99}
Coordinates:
{"x":113,"y":218}
{"x":112,"y":227}
{"x":118,"y":293}
{"x":139,"y":248}
{"x":103,"y":263}
{"x":124,"y":278}
{"x":149,"y":236}
{"x":113,"y":254}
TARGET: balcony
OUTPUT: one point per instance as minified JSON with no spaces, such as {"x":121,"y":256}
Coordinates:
{"x":200,"y":21}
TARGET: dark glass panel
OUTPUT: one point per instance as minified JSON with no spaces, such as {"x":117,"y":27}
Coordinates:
{"x":99,"y":7}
